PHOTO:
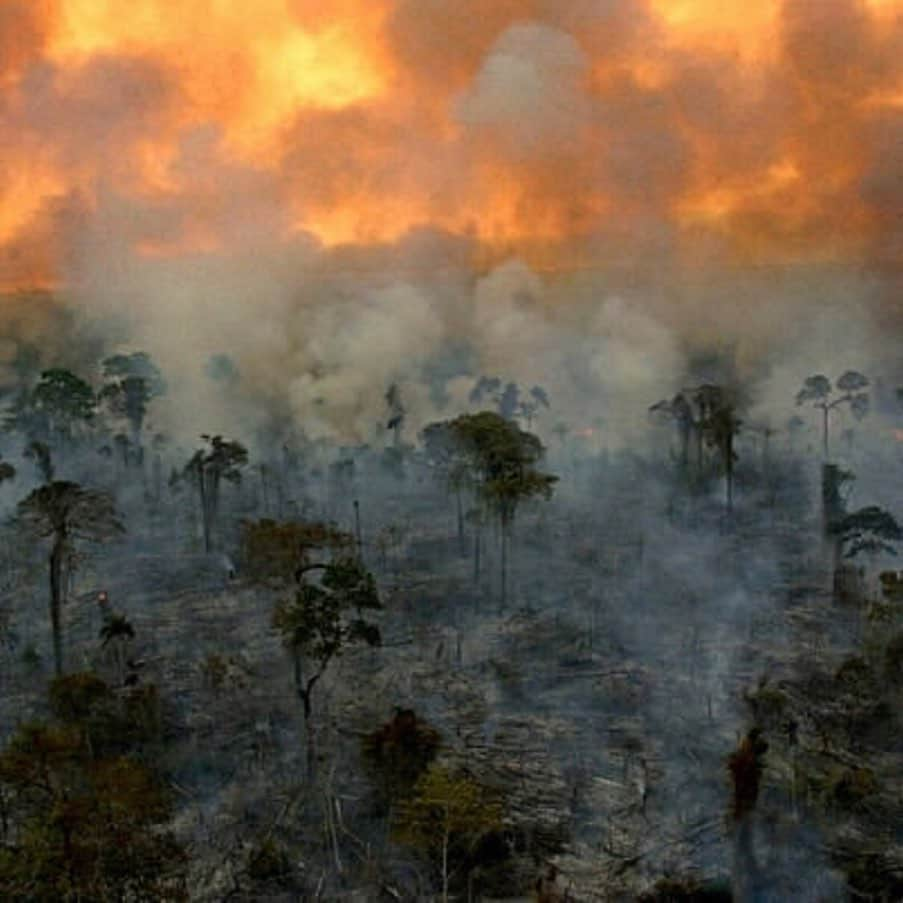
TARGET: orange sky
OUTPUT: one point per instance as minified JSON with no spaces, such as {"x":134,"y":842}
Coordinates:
{"x":567,"y":131}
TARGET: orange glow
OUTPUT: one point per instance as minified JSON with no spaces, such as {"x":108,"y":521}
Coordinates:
{"x":768,"y":125}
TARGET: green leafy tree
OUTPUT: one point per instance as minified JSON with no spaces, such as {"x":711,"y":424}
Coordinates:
{"x":820,"y":393}
{"x":220,"y":460}
{"x":66,"y":513}
{"x":321,"y":621}
{"x":81,"y":821}
{"x":503,"y":459}
{"x":446,"y":817}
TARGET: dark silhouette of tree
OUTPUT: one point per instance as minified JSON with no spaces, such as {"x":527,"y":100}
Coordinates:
{"x":7,"y":471}
{"x":869,"y":531}
{"x":679,"y":412}
{"x":40,"y":453}
{"x":66,"y":513}
{"x":818,"y":391}
{"x":222,"y":459}
{"x":447,"y":458}
{"x":59,"y":407}
{"x":720,"y":430}
{"x":131,"y":382}
{"x":116,"y":633}
{"x":509,"y":398}
{"x":399,"y":752}
{"x":745,"y":766}
{"x":322,"y":620}
{"x":396,"y":413}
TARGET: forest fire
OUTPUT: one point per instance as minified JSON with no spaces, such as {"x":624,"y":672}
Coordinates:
{"x":544,"y":131}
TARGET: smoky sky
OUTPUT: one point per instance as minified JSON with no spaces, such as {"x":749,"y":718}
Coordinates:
{"x":572,"y":192}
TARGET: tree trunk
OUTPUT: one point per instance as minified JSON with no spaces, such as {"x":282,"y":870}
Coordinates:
{"x":462,"y":550}
{"x":745,"y":865}
{"x":205,"y":509}
{"x":56,"y":566}
{"x":445,"y":867}
{"x":305,"y":690}
{"x":729,"y":473}
{"x":504,"y":564}
{"x":825,"y":430}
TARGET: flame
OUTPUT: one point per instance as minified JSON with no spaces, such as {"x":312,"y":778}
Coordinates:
{"x":763,"y":126}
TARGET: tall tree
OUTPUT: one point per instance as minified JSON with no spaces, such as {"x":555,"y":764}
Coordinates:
{"x":451,"y":465}
{"x":59,"y":406}
{"x":720,"y":430}
{"x":396,"y":413}
{"x":221,"y":459}
{"x":678,"y":411}
{"x":818,"y":391}
{"x":131,"y":382}
{"x":66,"y":513}
{"x":503,"y":458}
{"x":320,"y":622}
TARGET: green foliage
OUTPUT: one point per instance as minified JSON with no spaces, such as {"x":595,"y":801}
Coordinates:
{"x":277,"y":550}
{"x":502,"y":458}
{"x":82,"y":821}
{"x":315,"y":624}
{"x":446,"y":816}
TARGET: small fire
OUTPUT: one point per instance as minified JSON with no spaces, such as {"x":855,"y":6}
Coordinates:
{"x":898,"y":435}
{"x":586,"y":433}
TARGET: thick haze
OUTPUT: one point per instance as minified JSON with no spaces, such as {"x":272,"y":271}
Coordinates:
{"x":343,"y":194}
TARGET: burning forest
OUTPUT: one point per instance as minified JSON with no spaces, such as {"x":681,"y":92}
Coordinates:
{"x":451,"y":451}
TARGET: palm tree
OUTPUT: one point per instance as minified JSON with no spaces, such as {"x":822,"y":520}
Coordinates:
{"x":65,"y":512}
